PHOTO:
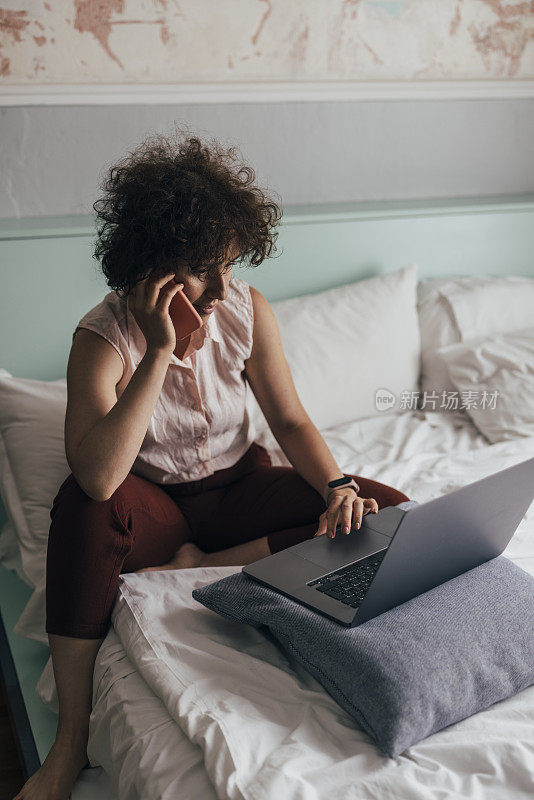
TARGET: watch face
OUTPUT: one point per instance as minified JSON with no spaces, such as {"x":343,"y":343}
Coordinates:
{"x":339,"y":482}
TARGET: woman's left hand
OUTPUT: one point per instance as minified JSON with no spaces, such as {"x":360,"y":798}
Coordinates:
{"x":345,"y":503}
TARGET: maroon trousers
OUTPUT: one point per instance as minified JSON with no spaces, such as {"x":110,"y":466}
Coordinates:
{"x":143,"y":524}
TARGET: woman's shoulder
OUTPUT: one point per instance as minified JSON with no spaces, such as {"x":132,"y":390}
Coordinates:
{"x":235,"y":321}
{"x":109,"y":319}
{"x":111,"y":310}
{"x":240,"y":293}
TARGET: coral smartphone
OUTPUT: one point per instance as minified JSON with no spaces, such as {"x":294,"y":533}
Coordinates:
{"x":184,"y":316}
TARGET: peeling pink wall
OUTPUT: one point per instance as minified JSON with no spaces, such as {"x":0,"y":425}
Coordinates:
{"x":83,"y":41}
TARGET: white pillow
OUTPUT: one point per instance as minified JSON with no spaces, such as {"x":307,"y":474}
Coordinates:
{"x":437,"y":328}
{"x":455,"y":310}
{"x":484,"y":306}
{"x":502,"y":366}
{"x":344,"y":344}
{"x":33,"y":465}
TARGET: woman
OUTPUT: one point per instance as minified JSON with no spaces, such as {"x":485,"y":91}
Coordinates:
{"x":165,"y":472}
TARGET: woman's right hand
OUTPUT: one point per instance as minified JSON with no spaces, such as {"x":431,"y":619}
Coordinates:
{"x":149,"y":302}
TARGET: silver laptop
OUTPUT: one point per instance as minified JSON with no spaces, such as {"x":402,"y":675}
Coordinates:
{"x":399,"y":554}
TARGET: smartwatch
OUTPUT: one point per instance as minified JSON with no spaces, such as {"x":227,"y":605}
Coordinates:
{"x":340,"y":483}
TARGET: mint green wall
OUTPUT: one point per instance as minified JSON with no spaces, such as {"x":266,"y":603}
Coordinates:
{"x":49,"y":279}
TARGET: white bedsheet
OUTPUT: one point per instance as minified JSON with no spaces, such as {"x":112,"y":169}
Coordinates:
{"x":189,"y":705}
{"x":133,"y":737}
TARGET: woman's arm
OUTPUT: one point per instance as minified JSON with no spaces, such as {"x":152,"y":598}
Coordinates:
{"x":103,"y":435}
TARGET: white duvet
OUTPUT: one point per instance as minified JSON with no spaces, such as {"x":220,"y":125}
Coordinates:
{"x":189,"y":705}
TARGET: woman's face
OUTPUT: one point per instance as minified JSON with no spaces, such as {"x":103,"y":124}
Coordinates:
{"x":207,"y":291}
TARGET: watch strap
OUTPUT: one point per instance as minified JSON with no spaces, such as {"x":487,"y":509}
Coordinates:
{"x":340,"y":483}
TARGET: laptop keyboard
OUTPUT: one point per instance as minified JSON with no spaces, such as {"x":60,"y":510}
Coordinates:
{"x":349,"y":584}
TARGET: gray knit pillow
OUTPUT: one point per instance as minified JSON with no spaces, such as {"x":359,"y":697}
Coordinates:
{"x":415,"y":669}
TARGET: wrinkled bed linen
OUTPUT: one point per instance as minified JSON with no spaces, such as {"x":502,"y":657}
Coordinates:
{"x":246,"y":720}
{"x":133,"y":737}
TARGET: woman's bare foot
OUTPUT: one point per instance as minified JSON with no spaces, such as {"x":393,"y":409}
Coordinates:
{"x":57,"y":775}
{"x":187,"y":556}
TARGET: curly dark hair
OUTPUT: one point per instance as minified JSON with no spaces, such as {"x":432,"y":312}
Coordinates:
{"x":174,"y":203}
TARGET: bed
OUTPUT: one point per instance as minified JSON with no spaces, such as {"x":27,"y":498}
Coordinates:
{"x":183,"y":738}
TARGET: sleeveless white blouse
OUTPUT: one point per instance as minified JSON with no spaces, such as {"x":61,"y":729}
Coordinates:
{"x":200,"y":423}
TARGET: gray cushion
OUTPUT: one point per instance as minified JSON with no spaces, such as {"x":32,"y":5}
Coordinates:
{"x":415,"y":669}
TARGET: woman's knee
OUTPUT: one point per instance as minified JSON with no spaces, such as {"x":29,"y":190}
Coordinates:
{"x":71,"y":505}
{"x":81,"y":528}
{"x":134,"y":492}
{"x":138,"y":508}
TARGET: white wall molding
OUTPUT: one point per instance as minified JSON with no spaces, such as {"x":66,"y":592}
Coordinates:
{"x":260,"y":92}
